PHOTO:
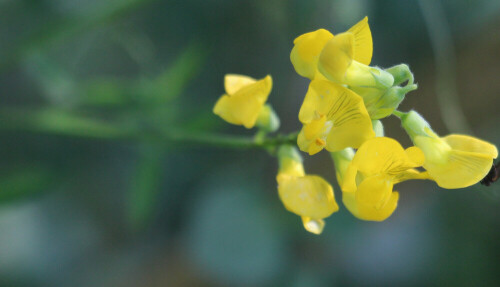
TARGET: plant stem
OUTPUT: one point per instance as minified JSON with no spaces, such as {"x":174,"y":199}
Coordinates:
{"x":218,"y":140}
{"x":53,"y":121}
{"x":398,"y":113}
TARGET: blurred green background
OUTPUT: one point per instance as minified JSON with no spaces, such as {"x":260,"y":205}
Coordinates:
{"x":91,"y":196}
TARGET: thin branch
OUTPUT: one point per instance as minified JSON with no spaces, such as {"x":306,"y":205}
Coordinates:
{"x":64,"y":123}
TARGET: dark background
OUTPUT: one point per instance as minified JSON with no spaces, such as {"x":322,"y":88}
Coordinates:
{"x":85,"y":200}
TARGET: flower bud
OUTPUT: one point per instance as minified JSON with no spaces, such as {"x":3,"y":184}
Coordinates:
{"x":342,"y":159}
{"x":416,"y":125}
{"x":378,"y":128}
{"x":380,"y":103}
{"x":268,"y":120}
{"x":401,"y":74}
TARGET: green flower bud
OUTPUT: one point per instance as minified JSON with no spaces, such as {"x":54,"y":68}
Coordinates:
{"x":359,"y":75}
{"x":290,"y":161}
{"x":289,"y":152}
{"x":401,"y":74}
{"x":381,"y":104}
{"x":268,"y":120}
{"x":342,"y":159}
{"x":415,"y":125}
{"x":378,"y":128}
{"x":389,"y":101}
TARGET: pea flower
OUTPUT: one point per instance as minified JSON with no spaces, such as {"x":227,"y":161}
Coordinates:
{"x":244,"y":102}
{"x":367,"y":177}
{"x":454,"y":161}
{"x":381,"y":104}
{"x":343,"y":58}
{"x":334,"y":118}
{"x":309,"y":196}
{"x":306,"y":51}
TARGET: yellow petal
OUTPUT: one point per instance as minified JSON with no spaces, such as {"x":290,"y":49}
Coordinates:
{"x":311,"y":146}
{"x":336,"y":57}
{"x":309,"y":196}
{"x":415,"y":155}
{"x":374,"y":191}
{"x":471,"y":144}
{"x":456,"y":161}
{"x":223,"y":108}
{"x":435,"y":149}
{"x":238,"y":110}
{"x":370,"y":213}
{"x":290,"y":163}
{"x":363,"y":43}
{"x":320,"y":76}
{"x":313,"y":225}
{"x":352,"y":125}
{"x":462,"y":169}
{"x":312,"y":129}
{"x":234,"y":82}
{"x":343,"y":108}
{"x":259,"y":90}
{"x":243,"y":107}
{"x":380,"y":155}
{"x":290,"y":167}
{"x":410,"y":174}
{"x":316,"y":99}
{"x":306,"y":50}
{"x":348,"y":183}
{"x":312,"y":137}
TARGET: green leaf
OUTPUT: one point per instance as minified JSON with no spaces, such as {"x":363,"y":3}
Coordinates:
{"x":60,"y":29}
{"x":172,"y":82}
{"x":145,"y":187}
{"x":153,"y":92}
{"x":24,"y":183}
{"x":57,"y":121}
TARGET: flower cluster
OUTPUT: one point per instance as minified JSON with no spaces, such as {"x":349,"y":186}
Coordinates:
{"x":342,"y":112}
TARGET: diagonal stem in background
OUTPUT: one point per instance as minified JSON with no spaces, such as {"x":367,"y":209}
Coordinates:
{"x":444,"y":52}
{"x":63,"y":29}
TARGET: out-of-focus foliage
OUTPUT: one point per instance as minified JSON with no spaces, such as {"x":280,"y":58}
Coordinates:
{"x":90,"y":195}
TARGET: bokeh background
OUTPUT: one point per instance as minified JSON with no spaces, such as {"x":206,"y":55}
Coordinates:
{"x":88,"y":197}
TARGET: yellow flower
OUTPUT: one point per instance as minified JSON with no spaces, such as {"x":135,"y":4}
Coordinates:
{"x":367,"y":181}
{"x":308,"y":47}
{"x":345,"y":59}
{"x":306,"y":50}
{"x":308,"y":196}
{"x":244,"y":99}
{"x":334,"y":118}
{"x":454,"y":161}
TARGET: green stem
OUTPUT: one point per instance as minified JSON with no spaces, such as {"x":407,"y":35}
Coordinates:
{"x":398,"y":114}
{"x":228,"y":141}
{"x":53,"y":121}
